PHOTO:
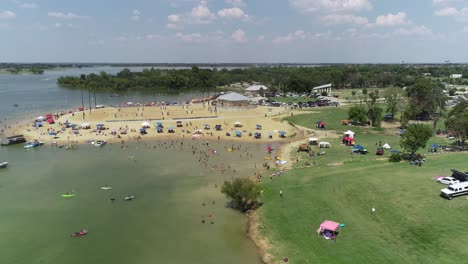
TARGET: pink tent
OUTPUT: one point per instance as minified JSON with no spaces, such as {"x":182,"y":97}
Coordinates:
{"x":330,"y":225}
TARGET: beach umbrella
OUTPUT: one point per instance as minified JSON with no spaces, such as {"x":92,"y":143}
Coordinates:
{"x":145,"y":124}
{"x":99,"y":125}
{"x":40,"y":118}
{"x":159,"y":123}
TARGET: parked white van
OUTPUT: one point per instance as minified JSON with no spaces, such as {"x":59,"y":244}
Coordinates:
{"x":454,"y":190}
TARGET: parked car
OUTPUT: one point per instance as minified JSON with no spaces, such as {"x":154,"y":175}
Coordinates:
{"x":459,"y":175}
{"x":454,"y":190}
{"x":447,"y":180}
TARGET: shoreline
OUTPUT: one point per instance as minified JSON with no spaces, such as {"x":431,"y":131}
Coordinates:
{"x":193,"y":121}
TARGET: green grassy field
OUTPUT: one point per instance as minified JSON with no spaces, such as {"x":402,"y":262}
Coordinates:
{"x":412,"y":224}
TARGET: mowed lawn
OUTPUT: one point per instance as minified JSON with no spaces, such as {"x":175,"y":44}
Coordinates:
{"x":412,"y":223}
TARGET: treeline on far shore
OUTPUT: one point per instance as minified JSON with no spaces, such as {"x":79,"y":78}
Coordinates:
{"x":34,"y":68}
{"x":286,"y":79}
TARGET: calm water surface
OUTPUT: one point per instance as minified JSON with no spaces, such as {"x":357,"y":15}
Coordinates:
{"x":162,"y":225}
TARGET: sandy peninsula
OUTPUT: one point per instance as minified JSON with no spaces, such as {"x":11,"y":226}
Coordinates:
{"x":193,"y":120}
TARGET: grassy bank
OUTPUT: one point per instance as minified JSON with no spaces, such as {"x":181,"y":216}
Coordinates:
{"x":412,"y":224}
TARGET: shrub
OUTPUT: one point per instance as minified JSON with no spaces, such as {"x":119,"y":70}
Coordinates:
{"x":243,"y":192}
{"x":395,"y":157}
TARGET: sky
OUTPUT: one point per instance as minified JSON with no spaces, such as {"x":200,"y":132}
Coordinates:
{"x":223,"y":31}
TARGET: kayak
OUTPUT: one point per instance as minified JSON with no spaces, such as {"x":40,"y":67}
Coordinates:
{"x":128,"y":198}
{"x":68,"y":195}
{"x":106,"y":188}
{"x":80,"y":233}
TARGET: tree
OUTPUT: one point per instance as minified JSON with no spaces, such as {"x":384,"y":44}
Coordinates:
{"x":415,"y":137}
{"x":357,"y":114}
{"x":243,"y":192}
{"x":392,"y":98}
{"x":374,"y":112}
{"x":426,"y":98}
{"x":457,"y":120}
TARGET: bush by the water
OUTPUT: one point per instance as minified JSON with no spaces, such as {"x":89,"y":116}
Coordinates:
{"x":243,"y":192}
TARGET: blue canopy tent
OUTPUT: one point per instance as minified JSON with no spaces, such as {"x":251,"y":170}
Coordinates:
{"x":257,"y":135}
{"x":159,"y":124}
{"x":159,"y":129}
{"x":282,"y":134}
{"x":359,"y":149}
{"x":394,"y":151}
{"x":38,"y":124}
{"x":238,"y":134}
{"x":143,"y":130}
{"x":258,"y":127}
{"x":435,"y":146}
{"x":170,"y":129}
{"x":206,"y":126}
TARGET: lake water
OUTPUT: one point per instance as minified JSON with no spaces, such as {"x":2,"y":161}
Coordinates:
{"x":163,"y":224}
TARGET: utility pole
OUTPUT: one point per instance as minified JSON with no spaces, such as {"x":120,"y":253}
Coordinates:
{"x":82,"y":102}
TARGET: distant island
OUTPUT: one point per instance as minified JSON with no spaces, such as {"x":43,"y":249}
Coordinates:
{"x":34,"y":68}
{"x":297,"y":78}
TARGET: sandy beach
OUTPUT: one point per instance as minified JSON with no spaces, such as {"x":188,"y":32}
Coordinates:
{"x":192,"y":118}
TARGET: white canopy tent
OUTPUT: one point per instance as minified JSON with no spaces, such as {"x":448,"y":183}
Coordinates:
{"x":349,"y":133}
{"x":313,"y":140}
{"x":324,"y":144}
{"x":386,"y":146}
{"x":145,"y":124}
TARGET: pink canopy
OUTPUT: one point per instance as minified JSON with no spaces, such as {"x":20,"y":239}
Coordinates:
{"x":330,"y":225}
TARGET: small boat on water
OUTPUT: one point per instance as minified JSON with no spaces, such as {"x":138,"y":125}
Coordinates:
{"x":3,"y":164}
{"x":32,"y":144}
{"x":99,"y":143}
{"x":130,"y":197}
{"x":106,"y":188}
{"x":80,"y":233}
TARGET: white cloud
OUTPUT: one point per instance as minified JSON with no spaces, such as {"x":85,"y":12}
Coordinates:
{"x":29,"y":5}
{"x":7,"y":15}
{"x":413,"y":31}
{"x":172,"y":26}
{"x":173,"y":18}
{"x":331,"y":6}
{"x":449,"y":11}
{"x":443,"y":2}
{"x":234,"y":12}
{"x":343,"y":19}
{"x":260,"y":38}
{"x":58,"y":25}
{"x":296,"y":35}
{"x":201,"y":12}
{"x":465,"y":29}
{"x":63,"y":15}
{"x":152,"y":36}
{"x":136,"y":15}
{"x":193,"y":37}
{"x":238,"y":3}
{"x":392,"y":19}
{"x":239,"y":36}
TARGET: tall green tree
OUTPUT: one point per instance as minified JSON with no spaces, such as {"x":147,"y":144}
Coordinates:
{"x":243,"y":193}
{"x":457,"y":120}
{"x":392,"y":97}
{"x":415,"y":137}
{"x":357,"y":114}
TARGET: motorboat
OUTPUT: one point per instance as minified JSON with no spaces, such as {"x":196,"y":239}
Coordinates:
{"x":32,"y":144}
{"x":3,"y":164}
{"x":99,"y":143}
{"x":130,"y":197}
{"x":80,"y":233}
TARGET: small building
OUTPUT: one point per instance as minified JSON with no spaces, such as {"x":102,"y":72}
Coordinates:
{"x":233,"y":99}
{"x":255,"y":89}
{"x":323,"y":88}
{"x":456,"y":76}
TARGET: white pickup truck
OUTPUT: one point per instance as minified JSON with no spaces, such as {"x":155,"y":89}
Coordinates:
{"x":454,"y":190}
